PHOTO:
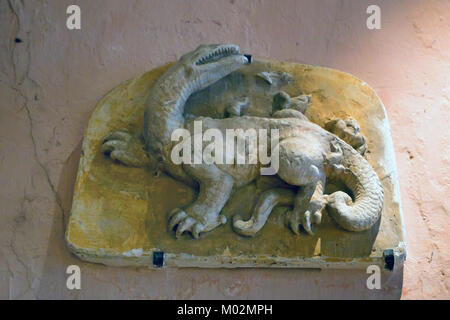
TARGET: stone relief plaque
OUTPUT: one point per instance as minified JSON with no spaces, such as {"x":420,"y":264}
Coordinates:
{"x":219,"y":160}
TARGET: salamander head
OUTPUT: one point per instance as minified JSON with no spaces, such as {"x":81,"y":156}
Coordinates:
{"x":210,"y":63}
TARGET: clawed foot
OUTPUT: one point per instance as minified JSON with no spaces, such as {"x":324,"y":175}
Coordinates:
{"x":307,"y":219}
{"x":185,"y":221}
{"x":125,"y":148}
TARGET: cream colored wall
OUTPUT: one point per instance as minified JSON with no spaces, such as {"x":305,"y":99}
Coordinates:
{"x":50,"y":82}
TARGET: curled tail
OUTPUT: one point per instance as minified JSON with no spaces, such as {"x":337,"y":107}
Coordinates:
{"x":266,"y":202}
{"x":357,"y":174}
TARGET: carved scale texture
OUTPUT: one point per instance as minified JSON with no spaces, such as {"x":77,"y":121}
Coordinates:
{"x":361,"y":179}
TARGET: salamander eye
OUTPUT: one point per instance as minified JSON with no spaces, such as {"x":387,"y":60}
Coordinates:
{"x":189,"y":71}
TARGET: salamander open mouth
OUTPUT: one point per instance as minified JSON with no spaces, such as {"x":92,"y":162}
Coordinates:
{"x":218,"y":54}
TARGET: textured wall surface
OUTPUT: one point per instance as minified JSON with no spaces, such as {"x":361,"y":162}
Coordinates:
{"x":51,"y":78}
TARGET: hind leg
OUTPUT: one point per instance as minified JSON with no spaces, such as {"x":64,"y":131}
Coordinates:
{"x":266,"y":202}
{"x":307,"y":206}
{"x":301,"y":164}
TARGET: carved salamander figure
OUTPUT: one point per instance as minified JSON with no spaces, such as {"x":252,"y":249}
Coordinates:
{"x":307,"y":155}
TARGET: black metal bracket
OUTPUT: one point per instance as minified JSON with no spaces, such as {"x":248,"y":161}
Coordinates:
{"x":389,"y":259}
{"x":158,"y":259}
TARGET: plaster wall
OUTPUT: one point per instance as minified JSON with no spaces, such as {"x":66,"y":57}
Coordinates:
{"x":52,"y":77}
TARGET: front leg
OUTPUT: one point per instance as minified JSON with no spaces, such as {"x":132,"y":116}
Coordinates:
{"x":204,"y":214}
{"x":125,"y":148}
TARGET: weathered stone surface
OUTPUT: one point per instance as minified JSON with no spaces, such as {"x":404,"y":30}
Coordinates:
{"x":119,"y":214}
